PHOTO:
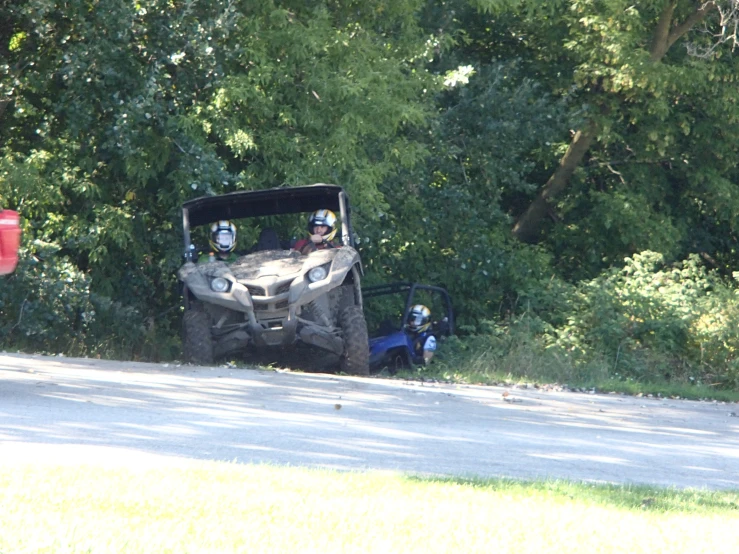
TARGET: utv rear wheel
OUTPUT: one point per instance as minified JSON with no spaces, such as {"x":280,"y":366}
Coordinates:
{"x":197,"y":342}
{"x":355,"y":359}
{"x":400,"y":361}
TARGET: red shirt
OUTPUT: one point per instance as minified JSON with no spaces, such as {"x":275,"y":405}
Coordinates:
{"x":304,"y":246}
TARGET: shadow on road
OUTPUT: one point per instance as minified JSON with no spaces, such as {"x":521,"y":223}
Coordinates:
{"x":79,"y":408}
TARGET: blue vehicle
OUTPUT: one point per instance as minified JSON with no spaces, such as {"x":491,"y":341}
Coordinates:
{"x":393,"y":343}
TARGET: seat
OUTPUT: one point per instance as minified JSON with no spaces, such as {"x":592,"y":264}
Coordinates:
{"x":268,"y":240}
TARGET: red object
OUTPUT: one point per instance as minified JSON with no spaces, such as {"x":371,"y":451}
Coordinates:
{"x":10,"y":240}
{"x":302,"y":243}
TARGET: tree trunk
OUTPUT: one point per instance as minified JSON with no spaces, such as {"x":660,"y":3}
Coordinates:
{"x":528,"y":226}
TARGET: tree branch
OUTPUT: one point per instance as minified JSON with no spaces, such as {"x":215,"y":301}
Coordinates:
{"x":662,"y":32}
{"x":695,"y":17}
{"x":665,"y":36}
{"x":528,"y":227}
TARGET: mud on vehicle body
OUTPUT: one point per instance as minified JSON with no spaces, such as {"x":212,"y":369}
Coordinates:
{"x":274,"y":298}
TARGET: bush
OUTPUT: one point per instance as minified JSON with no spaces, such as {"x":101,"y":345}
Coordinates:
{"x":647,"y":322}
{"x":47,"y":306}
{"x":653,"y":321}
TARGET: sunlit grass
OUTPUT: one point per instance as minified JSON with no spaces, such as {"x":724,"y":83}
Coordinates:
{"x":217,"y":507}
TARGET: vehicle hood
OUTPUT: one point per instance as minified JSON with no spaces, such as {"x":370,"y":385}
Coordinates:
{"x":270,"y":263}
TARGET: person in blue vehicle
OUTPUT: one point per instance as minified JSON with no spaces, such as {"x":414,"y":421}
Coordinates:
{"x":418,"y":327}
{"x":413,"y":344}
{"x":322,"y":229}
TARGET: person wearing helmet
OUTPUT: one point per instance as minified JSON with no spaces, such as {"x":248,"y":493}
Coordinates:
{"x":222,"y":242}
{"x":322,"y":229}
{"x":418,"y":326}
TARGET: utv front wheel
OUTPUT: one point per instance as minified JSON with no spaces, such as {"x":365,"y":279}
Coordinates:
{"x":197,"y":343}
{"x":355,"y":359}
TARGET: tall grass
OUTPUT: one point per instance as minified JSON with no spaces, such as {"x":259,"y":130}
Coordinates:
{"x":649,"y":327}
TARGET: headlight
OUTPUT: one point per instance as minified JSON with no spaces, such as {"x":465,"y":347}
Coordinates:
{"x":317,"y":274}
{"x":219,"y":284}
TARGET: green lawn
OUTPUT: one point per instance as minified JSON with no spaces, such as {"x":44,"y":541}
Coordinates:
{"x":220,"y":507}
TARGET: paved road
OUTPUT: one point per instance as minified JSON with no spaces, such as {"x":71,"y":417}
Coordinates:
{"x":71,"y":410}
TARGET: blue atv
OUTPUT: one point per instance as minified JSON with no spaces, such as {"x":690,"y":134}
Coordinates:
{"x":393,"y":343}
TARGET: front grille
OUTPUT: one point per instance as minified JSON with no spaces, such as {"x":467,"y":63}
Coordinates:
{"x":283,"y":288}
{"x":255,"y":291}
{"x":281,"y":305}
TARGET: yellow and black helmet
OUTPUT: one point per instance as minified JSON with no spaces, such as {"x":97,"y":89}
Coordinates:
{"x":223,"y":237}
{"x":419,"y":318}
{"x":326,"y":218}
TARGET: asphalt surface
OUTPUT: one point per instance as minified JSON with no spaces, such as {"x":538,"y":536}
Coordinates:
{"x":71,"y":411}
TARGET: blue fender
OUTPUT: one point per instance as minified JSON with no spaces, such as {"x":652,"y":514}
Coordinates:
{"x":380,"y":346}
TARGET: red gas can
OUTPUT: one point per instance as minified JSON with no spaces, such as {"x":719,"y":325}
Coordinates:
{"x":10,"y":240}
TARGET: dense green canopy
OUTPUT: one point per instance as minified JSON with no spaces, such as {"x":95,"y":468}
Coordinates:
{"x":493,"y":146}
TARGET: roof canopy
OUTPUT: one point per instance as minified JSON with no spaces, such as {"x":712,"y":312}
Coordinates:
{"x":286,"y":200}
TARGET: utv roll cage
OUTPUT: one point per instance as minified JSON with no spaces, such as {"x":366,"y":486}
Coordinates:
{"x":409,"y":289}
{"x":275,"y":201}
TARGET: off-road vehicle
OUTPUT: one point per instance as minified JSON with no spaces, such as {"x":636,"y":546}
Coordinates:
{"x":387,"y":308}
{"x":274,"y":298}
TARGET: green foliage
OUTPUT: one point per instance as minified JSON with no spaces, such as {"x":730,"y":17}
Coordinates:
{"x":48,"y":304}
{"x":45,"y":299}
{"x":116,"y":115}
{"x":664,"y":160}
{"x":648,"y":322}
{"x":511,"y":352}
{"x":446,"y":223}
{"x":442,"y":120}
{"x":322,"y":95}
{"x":655,"y":321}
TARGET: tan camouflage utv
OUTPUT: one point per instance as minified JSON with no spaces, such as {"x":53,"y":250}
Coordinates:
{"x":273,"y":297}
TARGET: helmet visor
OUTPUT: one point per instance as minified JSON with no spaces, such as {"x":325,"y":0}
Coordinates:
{"x":224,"y":239}
{"x":415,"y":319}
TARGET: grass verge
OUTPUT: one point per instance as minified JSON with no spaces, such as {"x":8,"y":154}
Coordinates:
{"x":220,"y":507}
{"x":465,"y":374}
{"x":521,"y":358}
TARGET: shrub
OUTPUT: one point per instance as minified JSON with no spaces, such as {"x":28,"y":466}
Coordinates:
{"x":651,"y":321}
{"x":47,"y":306}
{"x":647,"y":322}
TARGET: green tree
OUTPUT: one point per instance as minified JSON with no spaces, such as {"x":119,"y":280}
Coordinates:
{"x":620,"y":53}
{"x":114,"y":112}
{"x":649,"y":156}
